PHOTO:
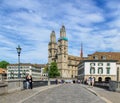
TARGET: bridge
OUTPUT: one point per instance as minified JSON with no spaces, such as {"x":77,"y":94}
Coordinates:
{"x":60,"y":93}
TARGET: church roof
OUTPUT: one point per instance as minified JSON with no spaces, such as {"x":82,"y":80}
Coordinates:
{"x":52,"y":33}
{"x":71,"y":57}
{"x":2,"y":71}
{"x":63,"y":38}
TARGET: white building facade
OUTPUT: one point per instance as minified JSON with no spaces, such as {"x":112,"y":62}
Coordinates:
{"x":101,"y":70}
{"x":25,"y":69}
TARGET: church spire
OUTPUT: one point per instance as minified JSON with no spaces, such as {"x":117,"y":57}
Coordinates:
{"x":53,"y":37}
{"x":63,"y":31}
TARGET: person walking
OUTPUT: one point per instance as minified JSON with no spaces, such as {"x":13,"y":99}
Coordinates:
{"x":89,"y":81}
{"x":56,"y":81}
{"x":30,"y":82}
{"x":27,"y":82}
{"x":93,"y":81}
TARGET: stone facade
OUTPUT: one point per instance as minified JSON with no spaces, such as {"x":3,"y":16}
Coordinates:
{"x":58,"y":52}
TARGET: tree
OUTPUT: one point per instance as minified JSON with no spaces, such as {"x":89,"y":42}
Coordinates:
{"x":45,"y":69}
{"x":3,"y":64}
{"x":53,"y":70}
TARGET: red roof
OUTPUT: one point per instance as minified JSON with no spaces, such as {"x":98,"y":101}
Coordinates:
{"x":2,"y":71}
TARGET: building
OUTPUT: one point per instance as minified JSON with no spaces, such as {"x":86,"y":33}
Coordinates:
{"x":25,"y":68}
{"x":2,"y":74}
{"x":101,"y":70}
{"x":100,"y":65}
{"x":118,"y":71}
{"x":58,"y":52}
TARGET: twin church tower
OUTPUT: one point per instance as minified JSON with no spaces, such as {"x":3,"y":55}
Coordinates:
{"x":58,"y":52}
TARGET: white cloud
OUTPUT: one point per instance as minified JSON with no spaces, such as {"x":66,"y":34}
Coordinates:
{"x":30,"y":22}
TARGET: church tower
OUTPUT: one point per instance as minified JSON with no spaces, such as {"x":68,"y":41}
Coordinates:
{"x":52,"y":48}
{"x":62,"y":54}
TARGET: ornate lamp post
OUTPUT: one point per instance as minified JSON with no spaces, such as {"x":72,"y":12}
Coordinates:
{"x":48,"y":74}
{"x":19,"y":51}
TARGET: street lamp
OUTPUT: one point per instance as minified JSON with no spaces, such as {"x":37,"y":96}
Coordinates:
{"x":48,"y":74}
{"x":19,"y":51}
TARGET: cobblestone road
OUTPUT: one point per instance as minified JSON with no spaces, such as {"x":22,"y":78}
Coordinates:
{"x":67,"y":93}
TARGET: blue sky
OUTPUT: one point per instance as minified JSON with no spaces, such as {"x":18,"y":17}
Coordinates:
{"x":95,"y":23}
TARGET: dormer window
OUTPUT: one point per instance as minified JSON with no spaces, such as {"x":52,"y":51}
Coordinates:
{"x":95,"y":57}
{"x":103,"y":57}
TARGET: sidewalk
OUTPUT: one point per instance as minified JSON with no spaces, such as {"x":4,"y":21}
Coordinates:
{"x":108,"y":96}
{"x":21,"y":96}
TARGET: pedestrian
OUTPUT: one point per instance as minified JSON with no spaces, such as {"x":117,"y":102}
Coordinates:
{"x":62,"y":81}
{"x":78,"y":82}
{"x":30,"y":82}
{"x":89,"y":81}
{"x":56,"y":81}
{"x":27,"y":82}
{"x":93,"y":81}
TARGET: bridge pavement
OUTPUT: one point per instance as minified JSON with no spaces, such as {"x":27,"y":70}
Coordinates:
{"x":20,"y":96}
{"x":66,"y":93}
{"x":106,"y":95}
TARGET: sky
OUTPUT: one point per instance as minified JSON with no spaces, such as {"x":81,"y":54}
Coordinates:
{"x":28,"y":23}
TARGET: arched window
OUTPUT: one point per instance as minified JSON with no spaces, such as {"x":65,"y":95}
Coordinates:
{"x":92,"y":70}
{"x":100,"y":64}
{"x":100,"y":70}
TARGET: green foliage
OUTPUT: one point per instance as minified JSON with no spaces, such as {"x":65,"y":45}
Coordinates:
{"x":3,"y":64}
{"x":45,"y":69}
{"x":53,"y":70}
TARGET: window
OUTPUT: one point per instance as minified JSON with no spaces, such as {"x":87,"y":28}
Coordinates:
{"x":103,"y":57}
{"x":76,"y":62}
{"x":107,"y":70}
{"x":100,"y":70}
{"x":92,"y":64}
{"x":100,"y":64}
{"x":9,"y":67}
{"x":69,"y":62}
{"x":95,"y":57}
{"x":108,"y":64}
{"x":92,"y":70}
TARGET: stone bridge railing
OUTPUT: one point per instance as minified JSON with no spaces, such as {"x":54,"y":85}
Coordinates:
{"x":18,"y":84}
{"x":114,"y":86}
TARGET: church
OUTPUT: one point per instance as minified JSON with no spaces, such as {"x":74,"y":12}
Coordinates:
{"x":58,"y":52}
